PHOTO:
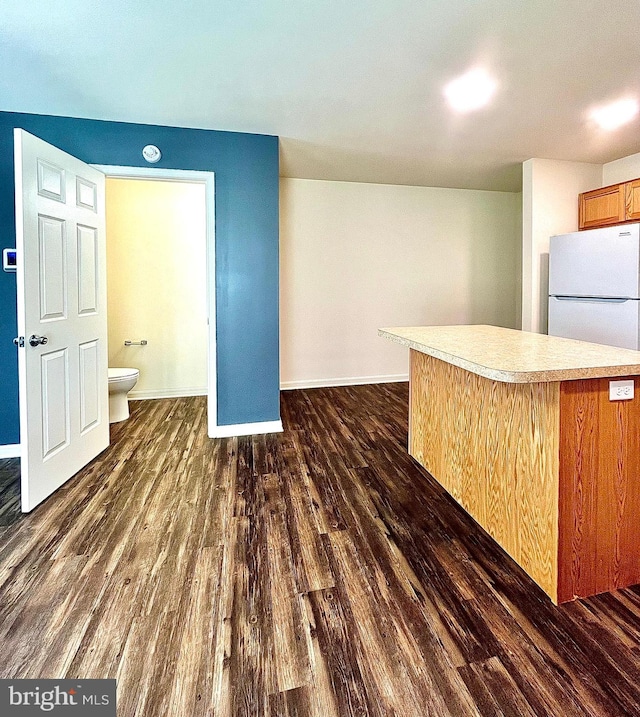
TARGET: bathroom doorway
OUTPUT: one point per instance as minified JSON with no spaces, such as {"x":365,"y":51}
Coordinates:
{"x":160,"y":287}
{"x":157,"y":284}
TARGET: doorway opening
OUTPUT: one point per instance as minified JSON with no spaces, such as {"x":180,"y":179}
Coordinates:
{"x":156,"y":284}
{"x":160,"y":277}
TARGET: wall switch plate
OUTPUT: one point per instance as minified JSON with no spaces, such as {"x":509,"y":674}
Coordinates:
{"x":621,"y":390}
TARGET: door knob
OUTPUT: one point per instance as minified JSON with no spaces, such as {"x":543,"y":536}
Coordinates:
{"x":37,"y":340}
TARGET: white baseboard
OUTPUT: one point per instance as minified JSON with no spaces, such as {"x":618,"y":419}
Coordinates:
{"x":246,"y":429}
{"x":167,"y":393}
{"x":11,"y":450}
{"x":347,"y":381}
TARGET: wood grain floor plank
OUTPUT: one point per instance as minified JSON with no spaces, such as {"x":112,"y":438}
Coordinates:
{"x":303,"y":524}
{"x":133,"y":683}
{"x":334,"y":632}
{"x":290,"y":668}
{"x":495,"y":691}
{"x":322,"y":698}
{"x":215,"y":695}
{"x":292,"y":703}
{"x":9,"y":492}
{"x":251,"y":658}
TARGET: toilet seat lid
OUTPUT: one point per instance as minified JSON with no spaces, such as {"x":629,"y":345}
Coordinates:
{"x":116,"y":373}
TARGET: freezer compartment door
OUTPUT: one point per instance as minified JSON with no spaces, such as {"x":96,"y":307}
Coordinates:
{"x":599,"y":262}
{"x":613,"y":322}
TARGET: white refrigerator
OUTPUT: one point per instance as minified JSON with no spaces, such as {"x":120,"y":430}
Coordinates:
{"x":594,"y":286}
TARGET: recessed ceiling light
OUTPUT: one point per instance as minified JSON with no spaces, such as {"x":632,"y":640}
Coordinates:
{"x":615,"y":114}
{"x":470,"y":91}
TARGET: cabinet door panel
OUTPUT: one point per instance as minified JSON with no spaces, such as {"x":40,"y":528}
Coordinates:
{"x":632,"y":199}
{"x":602,"y":207}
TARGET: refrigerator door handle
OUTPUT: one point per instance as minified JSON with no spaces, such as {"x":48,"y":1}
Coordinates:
{"x":590,"y":299}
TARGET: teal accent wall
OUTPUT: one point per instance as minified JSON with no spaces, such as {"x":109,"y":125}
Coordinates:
{"x":246,"y":281}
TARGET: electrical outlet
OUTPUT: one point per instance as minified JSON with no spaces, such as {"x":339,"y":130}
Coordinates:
{"x":621,"y":390}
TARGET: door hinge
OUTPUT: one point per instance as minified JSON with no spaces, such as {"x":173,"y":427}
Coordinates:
{"x":19,"y":341}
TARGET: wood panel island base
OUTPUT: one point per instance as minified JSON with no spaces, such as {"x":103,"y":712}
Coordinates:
{"x":519,"y":428}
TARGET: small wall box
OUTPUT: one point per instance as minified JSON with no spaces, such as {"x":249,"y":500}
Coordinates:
{"x":9,"y":260}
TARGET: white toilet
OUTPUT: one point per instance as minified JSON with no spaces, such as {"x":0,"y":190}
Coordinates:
{"x":121,"y":381}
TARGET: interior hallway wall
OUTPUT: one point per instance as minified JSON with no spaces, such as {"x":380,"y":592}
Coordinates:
{"x":156,"y":267}
{"x":356,"y":257}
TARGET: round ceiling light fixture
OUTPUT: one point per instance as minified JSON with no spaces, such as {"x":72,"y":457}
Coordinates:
{"x":615,"y":114}
{"x":470,"y":91}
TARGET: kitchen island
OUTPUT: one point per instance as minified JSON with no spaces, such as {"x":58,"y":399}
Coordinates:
{"x":519,"y":428}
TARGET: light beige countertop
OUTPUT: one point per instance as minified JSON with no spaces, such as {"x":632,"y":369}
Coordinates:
{"x":516,"y":356}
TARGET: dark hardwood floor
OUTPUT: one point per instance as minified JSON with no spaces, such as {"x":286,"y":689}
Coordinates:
{"x":315,"y":572}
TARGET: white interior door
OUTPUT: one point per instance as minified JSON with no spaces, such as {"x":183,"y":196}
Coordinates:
{"x":61,"y":278}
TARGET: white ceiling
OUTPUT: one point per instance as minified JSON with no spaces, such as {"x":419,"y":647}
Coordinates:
{"x":353,"y":88}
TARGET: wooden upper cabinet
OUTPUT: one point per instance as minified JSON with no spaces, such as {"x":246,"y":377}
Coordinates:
{"x":632,"y":200}
{"x":601,"y":207}
{"x":616,"y":204}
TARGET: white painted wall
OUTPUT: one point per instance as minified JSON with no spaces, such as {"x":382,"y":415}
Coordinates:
{"x":356,"y":257}
{"x":621,"y":170}
{"x":156,"y":266}
{"x":550,"y":191}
